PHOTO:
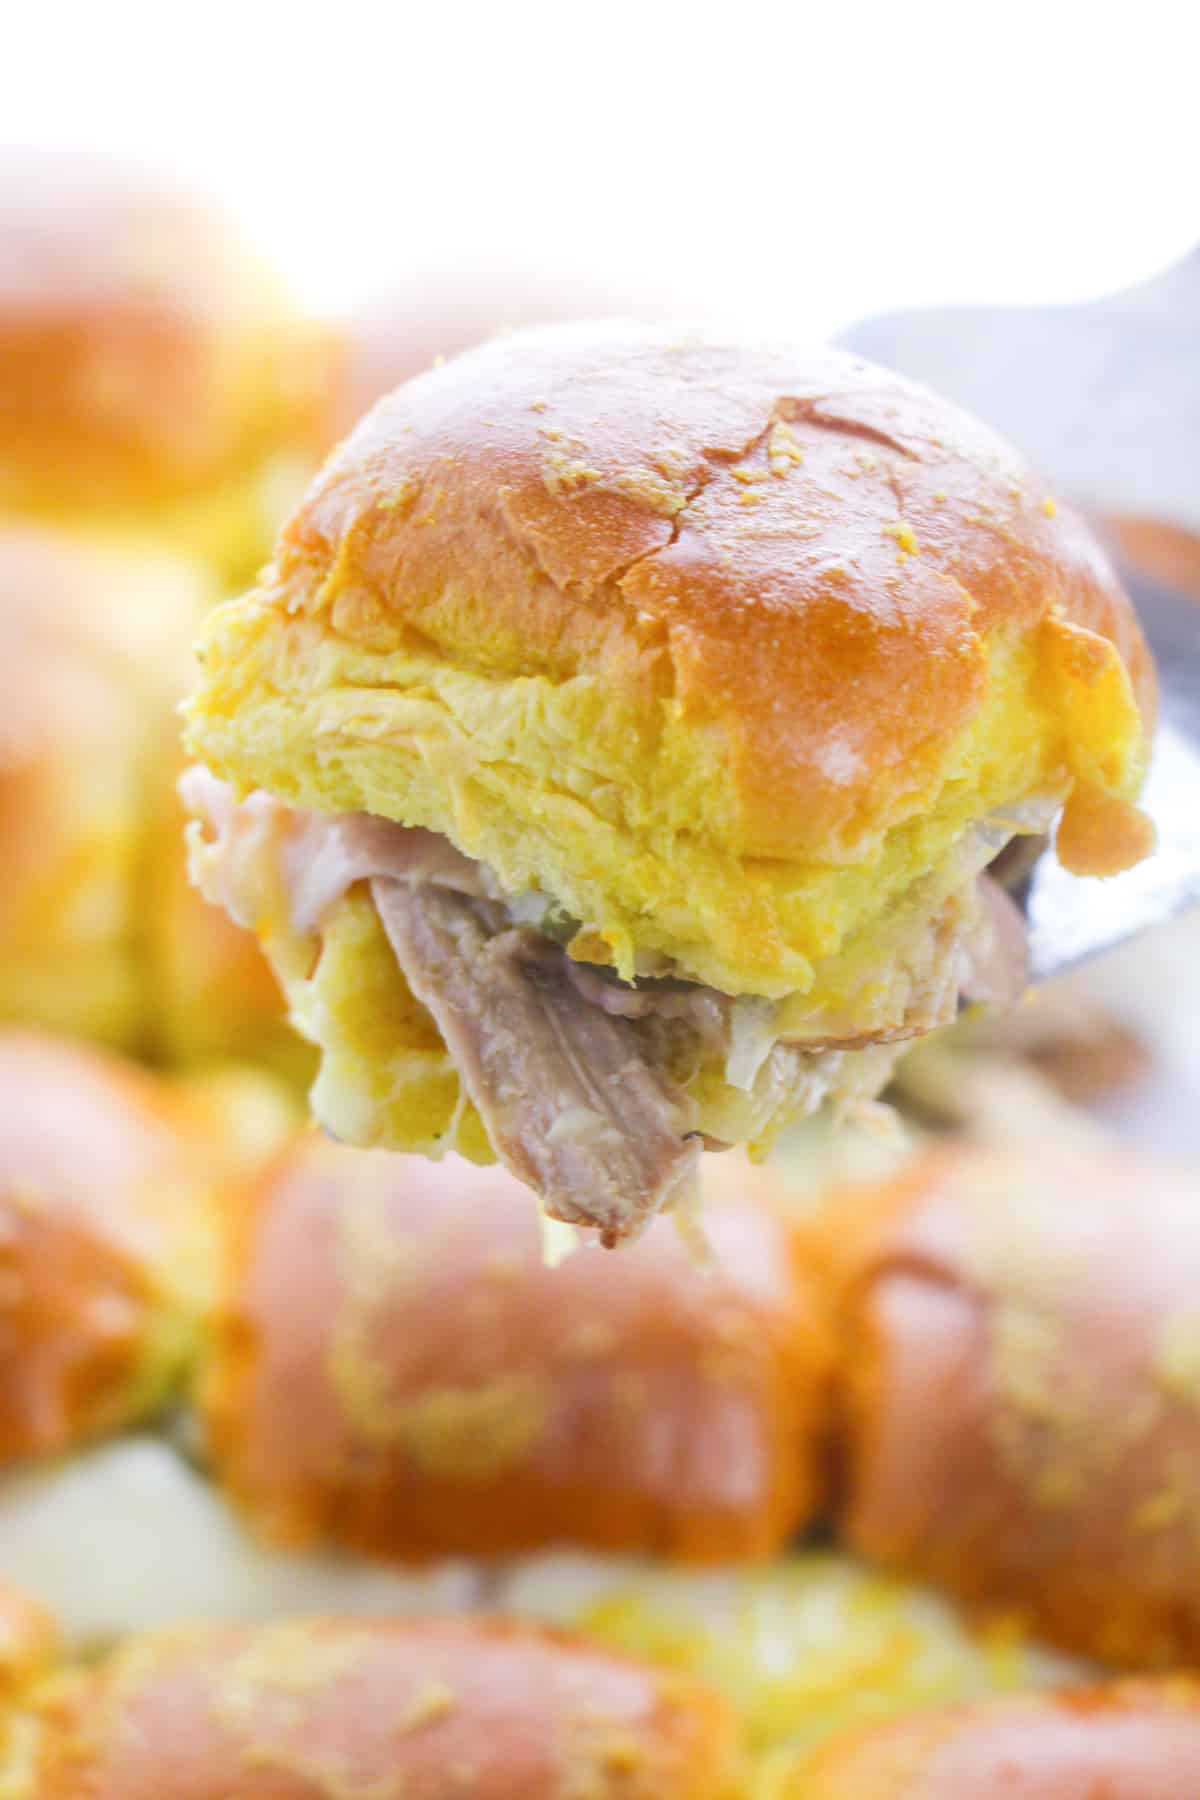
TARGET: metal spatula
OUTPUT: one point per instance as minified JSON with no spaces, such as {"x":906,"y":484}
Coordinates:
{"x":1105,"y":399}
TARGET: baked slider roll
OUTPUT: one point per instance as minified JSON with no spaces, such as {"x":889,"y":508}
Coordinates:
{"x":105,"y":1245}
{"x":610,"y":756}
{"x":457,"y":1395}
{"x":1132,"y":1740}
{"x":107,"y":1250}
{"x":155,"y":380}
{"x":1017,"y":1389}
{"x":101,"y":933}
{"x":27,"y":1641}
{"x":431,"y":1710}
{"x":94,"y":645}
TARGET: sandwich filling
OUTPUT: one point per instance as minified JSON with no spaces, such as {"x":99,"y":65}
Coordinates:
{"x":596,"y":1091}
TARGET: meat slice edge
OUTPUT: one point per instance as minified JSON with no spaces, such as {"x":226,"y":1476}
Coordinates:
{"x":566,"y":1091}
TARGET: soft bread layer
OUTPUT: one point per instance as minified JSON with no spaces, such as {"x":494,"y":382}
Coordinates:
{"x":101,"y":934}
{"x":722,"y":649}
{"x":94,"y":652}
{"x":332,"y":727}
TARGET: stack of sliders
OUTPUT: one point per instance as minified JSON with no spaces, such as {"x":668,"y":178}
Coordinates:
{"x":269,"y":1422}
{"x":161,"y":402}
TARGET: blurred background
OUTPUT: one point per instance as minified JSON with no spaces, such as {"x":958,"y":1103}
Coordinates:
{"x":222,"y":235}
{"x":793,"y":166}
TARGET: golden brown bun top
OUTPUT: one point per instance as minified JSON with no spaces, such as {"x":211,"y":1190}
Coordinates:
{"x":144,"y":351}
{"x":460,"y":1396}
{"x":427,"y":1710}
{"x":1017,"y":1388}
{"x":810,"y":553}
{"x":27,"y":1640}
{"x":1127,"y":1740}
{"x":103,"y":1181}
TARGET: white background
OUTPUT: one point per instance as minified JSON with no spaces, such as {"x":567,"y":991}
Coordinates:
{"x":800,"y":165}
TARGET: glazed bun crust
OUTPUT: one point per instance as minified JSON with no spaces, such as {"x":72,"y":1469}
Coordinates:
{"x":145,"y":354}
{"x":692,"y":634}
{"x":104,"y":1181}
{"x":459,"y":1396}
{"x":27,"y":1641}
{"x":429,"y":1709}
{"x":1133,"y":1740}
{"x":729,"y":525}
{"x":1016,"y":1396}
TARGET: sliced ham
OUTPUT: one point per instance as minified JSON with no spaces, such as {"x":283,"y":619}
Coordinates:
{"x":567,"y":1065}
{"x":565,"y":1089}
{"x":998,"y":952}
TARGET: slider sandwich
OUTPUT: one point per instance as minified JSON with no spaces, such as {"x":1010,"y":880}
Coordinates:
{"x":1116,"y":1740}
{"x":93,"y":645}
{"x":330,"y":1709}
{"x":460,"y":1398}
{"x":107,"y":1245}
{"x":612,"y":755}
{"x":156,"y":382}
{"x":1015,"y":1397}
{"x":101,"y":933}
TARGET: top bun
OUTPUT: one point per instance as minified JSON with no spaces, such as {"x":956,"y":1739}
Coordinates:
{"x":107,"y":1184}
{"x":425,"y":1708}
{"x":724,"y":646}
{"x":147,"y":359}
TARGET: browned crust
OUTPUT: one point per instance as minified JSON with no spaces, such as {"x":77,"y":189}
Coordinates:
{"x":459,"y":1396}
{"x":804,"y":551}
{"x":1017,"y":1395}
{"x":1129,"y":1740}
{"x":144,"y":352}
{"x":426,"y":1709}
{"x":99,"y":1175}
